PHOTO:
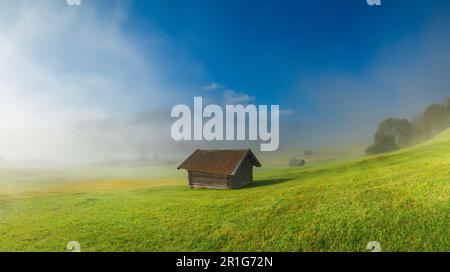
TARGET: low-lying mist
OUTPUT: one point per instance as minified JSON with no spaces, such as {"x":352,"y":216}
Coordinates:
{"x":75,"y":88}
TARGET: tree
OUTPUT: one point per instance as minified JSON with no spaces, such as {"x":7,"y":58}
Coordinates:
{"x":431,"y":120}
{"x":395,"y":133}
{"x":391,"y":134}
{"x":446,"y":112}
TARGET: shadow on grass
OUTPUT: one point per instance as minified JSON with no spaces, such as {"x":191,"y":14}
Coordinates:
{"x":265,"y":182}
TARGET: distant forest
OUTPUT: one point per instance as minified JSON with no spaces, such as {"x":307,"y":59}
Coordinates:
{"x":395,"y":133}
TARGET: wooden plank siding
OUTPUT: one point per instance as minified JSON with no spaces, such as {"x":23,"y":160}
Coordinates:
{"x":208,"y":180}
{"x":243,"y":176}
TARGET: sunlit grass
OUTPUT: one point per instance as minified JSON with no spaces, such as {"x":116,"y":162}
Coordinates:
{"x":400,"y":199}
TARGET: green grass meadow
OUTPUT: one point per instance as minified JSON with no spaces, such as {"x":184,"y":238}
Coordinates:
{"x":401,"y":200}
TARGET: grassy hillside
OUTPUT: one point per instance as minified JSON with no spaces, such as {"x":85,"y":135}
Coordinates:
{"x":400,"y":199}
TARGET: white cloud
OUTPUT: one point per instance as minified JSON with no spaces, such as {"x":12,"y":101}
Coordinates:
{"x":231,"y":97}
{"x":61,"y":66}
{"x":287,"y":112}
{"x":211,"y":87}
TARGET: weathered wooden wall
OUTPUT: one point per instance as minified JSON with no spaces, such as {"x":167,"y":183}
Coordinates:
{"x":244,"y":175}
{"x":207,"y":180}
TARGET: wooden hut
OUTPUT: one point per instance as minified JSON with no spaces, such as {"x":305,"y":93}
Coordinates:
{"x":297,"y":162}
{"x":220,"y":169}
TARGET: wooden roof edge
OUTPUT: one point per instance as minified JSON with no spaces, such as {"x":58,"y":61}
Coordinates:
{"x":257,"y":162}
{"x":247,"y":153}
{"x":181,"y":165}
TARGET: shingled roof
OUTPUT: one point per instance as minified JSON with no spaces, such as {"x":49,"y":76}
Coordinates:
{"x":224,"y":162}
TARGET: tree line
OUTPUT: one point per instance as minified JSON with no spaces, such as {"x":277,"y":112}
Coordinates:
{"x":396,"y":133}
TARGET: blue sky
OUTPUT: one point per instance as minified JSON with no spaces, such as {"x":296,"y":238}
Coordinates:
{"x":260,"y":47}
{"x":89,"y":80}
{"x":322,"y":60}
